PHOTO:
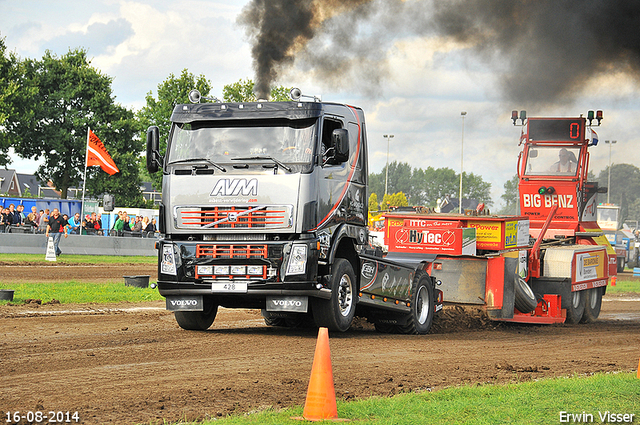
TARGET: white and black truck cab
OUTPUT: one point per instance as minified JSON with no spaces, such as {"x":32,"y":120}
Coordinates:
{"x":264,"y":206}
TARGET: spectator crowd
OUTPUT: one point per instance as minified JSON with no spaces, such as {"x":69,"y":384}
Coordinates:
{"x":15,"y":220}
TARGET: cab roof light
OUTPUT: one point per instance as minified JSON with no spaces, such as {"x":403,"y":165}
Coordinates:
{"x":515,"y":117}
{"x":597,"y":116}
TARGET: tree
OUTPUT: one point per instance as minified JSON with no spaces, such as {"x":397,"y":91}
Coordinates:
{"x":11,"y":88}
{"x":67,"y":96}
{"x":510,"y":196}
{"x":242,"y":91}
{"x":398,"y":199}
{"x":425,"y":187}
{"x":122,"y":134}
{"x":624,"y":190}
{"x":373,"y":203}
{"x":171,"y":92}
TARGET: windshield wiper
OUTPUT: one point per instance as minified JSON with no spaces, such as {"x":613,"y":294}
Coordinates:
{"x":277,"y":162}
{"x":180,"y":161}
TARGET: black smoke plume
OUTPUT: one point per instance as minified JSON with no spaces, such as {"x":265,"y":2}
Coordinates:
{"x":541,"y":51}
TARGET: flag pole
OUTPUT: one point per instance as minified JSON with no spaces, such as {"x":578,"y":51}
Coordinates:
{"x":84,"y":180}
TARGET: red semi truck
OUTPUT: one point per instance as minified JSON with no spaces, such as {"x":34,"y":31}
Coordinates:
{"x":551,"y":263}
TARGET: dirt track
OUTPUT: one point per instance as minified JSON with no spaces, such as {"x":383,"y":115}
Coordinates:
{"x":131,"y":363}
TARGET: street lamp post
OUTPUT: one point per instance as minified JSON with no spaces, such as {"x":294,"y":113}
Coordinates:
{"x":386,"y":177}
{"x":609,"y":178}
{"x":462,"y":114}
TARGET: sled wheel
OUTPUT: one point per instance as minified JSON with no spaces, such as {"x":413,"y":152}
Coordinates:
{"x":576,"y":307}
{"x":621,"y":264}
{"x":525,"y":300}
{"x":337,"y":312}
{"x":592,"y":305}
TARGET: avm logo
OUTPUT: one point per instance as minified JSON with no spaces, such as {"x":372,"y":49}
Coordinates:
{"x":235,"y":187}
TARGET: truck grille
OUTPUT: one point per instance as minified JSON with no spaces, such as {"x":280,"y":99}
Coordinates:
{"x":234,"y":217}
{"x":231,"y":251}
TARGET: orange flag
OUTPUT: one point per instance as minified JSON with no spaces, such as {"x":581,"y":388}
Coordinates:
{"x":97,"y":155}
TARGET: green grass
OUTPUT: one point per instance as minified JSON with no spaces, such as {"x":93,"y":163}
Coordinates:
{"x":78,"y":292}
{"x":75,"y":259}
{"x":538,"y":402}
{"x":624,"y":286}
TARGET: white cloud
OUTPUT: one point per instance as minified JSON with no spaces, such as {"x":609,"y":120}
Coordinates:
{"x":429,"y":82}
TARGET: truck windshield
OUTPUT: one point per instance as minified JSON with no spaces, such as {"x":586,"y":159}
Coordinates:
{"x":287,"y":141}
{"x":552,"y":160}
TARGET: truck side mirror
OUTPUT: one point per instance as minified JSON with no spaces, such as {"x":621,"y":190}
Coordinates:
{"x":153,"y":149}
{"x":340,"y":143}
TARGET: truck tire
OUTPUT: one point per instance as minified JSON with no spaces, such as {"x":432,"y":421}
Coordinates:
{"x":337,"y":312}
{"x":198,"y":320}
{"x":525,"y":299}
{"x":576,"y":306}
{"x":422,"y":307}
{"x":621,"y":263}
{"x":385,"y":328}
{"x":273,"y":320}
{"x":593,"y":302}
{"x":290,"y":320}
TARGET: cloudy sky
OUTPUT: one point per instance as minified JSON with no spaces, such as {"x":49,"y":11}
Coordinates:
{"x":412,"y":66}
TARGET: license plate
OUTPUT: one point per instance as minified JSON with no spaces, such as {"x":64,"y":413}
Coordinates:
{"x":230,"y":287}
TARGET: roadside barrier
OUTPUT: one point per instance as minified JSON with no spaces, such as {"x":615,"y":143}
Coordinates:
{"x":13,"y":243}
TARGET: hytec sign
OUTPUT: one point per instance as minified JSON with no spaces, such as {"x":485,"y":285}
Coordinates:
{"x":455,"y":241}
{"x":452,"y":235}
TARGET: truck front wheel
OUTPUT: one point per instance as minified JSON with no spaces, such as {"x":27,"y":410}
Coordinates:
{"x":592,"y":306}
{"x":198,"y":320}
{"x":422,"y":308}
{"x":576,"y":306}
{"x":337,"y":312}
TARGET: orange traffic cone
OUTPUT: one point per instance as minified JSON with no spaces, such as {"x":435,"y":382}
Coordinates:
{"x":321,"y":397}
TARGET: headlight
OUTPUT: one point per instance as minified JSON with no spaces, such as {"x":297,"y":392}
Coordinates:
{"x":205,"y":270}
{"x":168,"y":265}
{"x":254,"y":270}
{"x":221,"y":270}
{"x":238,"y":270}
{"x":297,"y":260}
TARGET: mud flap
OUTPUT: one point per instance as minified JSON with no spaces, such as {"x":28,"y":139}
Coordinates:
{"x":290,"y":304}
{"x":185,"y":303}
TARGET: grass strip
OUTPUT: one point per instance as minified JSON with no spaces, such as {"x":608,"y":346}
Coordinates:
{"x":624,"y":286}
{"x":79,"y":292}
{"x":78,"y":259}
{"x":547,"y":401}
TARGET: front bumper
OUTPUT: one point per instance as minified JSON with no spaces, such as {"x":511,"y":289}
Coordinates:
{"x":193,"y":267}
